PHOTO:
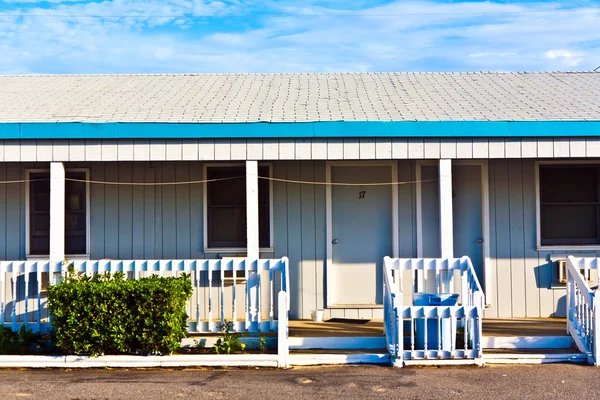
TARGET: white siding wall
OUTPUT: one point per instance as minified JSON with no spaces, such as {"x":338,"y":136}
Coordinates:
{"x":296,"y":149}
{"x":167,"y":222}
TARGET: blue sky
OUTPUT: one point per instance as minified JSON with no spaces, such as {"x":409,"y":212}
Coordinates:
{"x":164,"y":36}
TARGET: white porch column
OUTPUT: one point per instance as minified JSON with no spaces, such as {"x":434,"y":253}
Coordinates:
{"x":252,"y":209}
{"x":57,"y":212}
{"x":446,"y":229}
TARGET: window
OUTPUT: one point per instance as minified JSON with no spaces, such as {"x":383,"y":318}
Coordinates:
{"x":569,"y":204}
{"x":226,"y":207}
{"x":75,"y":213}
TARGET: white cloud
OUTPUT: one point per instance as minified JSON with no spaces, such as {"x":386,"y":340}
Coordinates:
{"x":303,"y":36}
{"x":566,"y":57}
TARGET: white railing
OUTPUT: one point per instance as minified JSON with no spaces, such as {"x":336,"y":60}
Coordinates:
{"x":445,"y":276}
{"x":583,"y":318}
{"x":242,"y":291}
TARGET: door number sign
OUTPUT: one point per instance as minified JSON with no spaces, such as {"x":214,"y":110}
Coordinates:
{"x":361,"y":194}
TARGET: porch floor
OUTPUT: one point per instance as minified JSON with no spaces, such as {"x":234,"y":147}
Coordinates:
{"x":508,"y":327}
{"x":525,"y":327}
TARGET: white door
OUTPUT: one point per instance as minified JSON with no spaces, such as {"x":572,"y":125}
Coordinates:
{"x":362,"y":234}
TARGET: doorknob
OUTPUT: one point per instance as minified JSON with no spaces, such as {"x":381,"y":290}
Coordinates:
{"x":479,"y":241}
{"x":335,"y":241}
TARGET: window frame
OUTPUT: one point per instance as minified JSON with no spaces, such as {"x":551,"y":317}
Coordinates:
{"x":234,"y":250}
{"x":34,"y":257}
{"x":566,"y":247}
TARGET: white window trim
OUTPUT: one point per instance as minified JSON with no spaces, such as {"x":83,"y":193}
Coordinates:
{"x":539,"y":246}
{"x":34,"y":257}
{"x":232,"y":250}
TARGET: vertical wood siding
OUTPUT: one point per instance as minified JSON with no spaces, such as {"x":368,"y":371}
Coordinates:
{"x":524,"y":279}
{"x":155,"y":222}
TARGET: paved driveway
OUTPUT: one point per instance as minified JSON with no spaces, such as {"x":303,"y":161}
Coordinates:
{"x":346,"y":382}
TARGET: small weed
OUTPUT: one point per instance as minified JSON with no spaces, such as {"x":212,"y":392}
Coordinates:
{"x":230,"y":342}
{"x":263,"y":344}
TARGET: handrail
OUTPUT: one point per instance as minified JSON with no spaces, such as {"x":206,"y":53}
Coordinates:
{"x":473,"y":286}
{"x":23,"y":306}
{"x":427,"y":317}
{"x":583,"y":319}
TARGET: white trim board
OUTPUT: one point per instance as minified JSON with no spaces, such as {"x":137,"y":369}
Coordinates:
{"x":538,"y":238}
{"x":127,"y":361}
{"x":329,"y":217}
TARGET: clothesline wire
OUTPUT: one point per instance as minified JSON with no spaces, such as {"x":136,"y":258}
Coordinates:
{"x":300,"y":182}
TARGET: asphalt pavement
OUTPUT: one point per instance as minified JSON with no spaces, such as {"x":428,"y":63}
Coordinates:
{"x":558,"y":381}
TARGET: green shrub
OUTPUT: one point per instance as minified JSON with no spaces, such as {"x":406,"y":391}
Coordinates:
{"x":106,"y":314}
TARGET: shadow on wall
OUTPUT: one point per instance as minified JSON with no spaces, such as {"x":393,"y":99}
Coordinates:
{"x":15,"y":295}
{"x":547,"y":278}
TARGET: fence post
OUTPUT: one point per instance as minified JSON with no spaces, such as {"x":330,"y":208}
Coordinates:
{"x":283,"y":346}
{"x":596,"y":329}
{"x":397,"y":306}
{"x":478,"y":299}
{"x":569,"y":294}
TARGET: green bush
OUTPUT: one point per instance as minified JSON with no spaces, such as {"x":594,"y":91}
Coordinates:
{"x":107,"y":314}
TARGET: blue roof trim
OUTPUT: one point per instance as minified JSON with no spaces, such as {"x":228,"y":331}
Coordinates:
{"x":151,"y":130}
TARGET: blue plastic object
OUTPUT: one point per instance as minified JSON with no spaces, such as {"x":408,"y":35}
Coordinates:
{"x":448,"y":329}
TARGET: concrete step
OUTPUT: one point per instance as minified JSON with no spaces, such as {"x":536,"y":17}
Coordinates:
{"x":337,"y":343}
{"x":526,"y":342}
{"x":330,"y":357}
{"x":537,"y":356}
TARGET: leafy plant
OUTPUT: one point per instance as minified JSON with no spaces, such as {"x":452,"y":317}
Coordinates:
{"x":27,"y":338}
{"x":263,"y":344}
{"x":230,"y":342}
{"x":107,"y":314}
{"x":8,"y":341}
{"x":20,"y":342}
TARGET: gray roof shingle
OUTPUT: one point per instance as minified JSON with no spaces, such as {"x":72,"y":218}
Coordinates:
{"x":214,"y":98}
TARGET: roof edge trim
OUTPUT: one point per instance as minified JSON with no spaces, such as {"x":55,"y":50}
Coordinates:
{"x":281,"y":130}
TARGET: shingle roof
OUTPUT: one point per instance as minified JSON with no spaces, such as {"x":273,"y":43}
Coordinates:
{"x":214,"y":98}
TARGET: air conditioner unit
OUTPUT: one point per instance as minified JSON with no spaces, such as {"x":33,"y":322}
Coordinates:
{"x":561,"y":266}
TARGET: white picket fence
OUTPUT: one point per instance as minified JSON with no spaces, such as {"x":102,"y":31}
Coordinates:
{"x":454,"y":275}
{"x":242,"y":291}
{"x":583,"y":314}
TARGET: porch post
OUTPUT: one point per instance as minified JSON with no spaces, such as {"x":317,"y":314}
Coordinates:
{"x":252,"y":209}
{"x":57,"y":212}
{"x":446,"y":229}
